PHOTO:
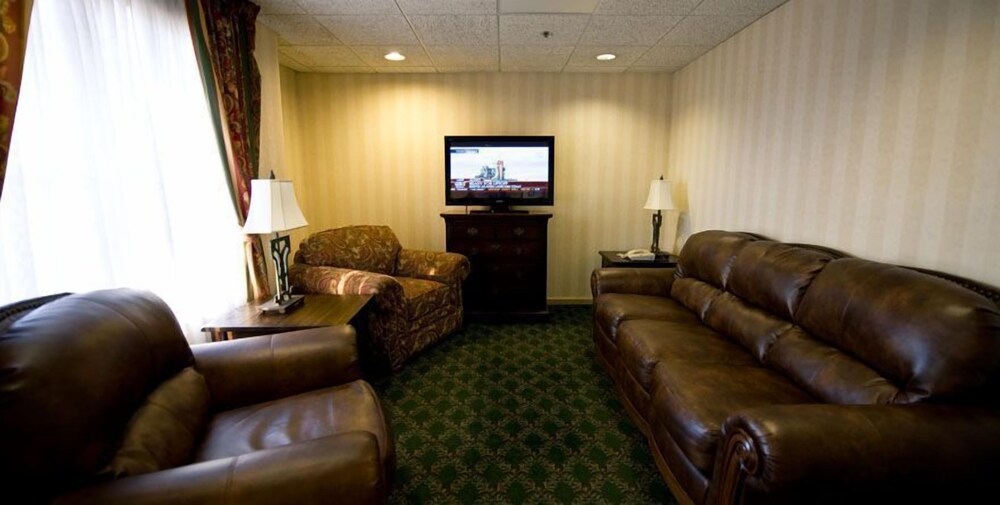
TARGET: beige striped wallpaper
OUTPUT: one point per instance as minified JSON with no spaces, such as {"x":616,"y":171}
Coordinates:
{"x":868,"y":126}
{"x":368,"y":149}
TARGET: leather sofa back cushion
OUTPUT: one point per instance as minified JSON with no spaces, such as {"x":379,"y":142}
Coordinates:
{"x":931,"y":337}
{"x":163,"y":432}
{"x":774,"y":276}
{"x":709,"y":255}
{"x":75,"y":371}
{"x":368,"y":248}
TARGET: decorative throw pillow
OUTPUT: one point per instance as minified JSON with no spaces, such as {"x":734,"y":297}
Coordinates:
{"x":162,"y":433}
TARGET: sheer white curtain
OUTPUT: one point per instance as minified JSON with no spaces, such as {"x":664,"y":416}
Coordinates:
{"x":115,"y":178}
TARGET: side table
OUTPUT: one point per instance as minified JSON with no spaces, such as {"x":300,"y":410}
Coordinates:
{"x":316,"y":312}
{"x":611,"y":259}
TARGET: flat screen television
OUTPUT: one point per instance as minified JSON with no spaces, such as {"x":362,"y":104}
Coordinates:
{"x":499,"y":171}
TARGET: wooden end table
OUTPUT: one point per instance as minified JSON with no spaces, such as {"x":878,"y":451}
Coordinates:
{"x":317,"y":311}
{"x":611,"y":259}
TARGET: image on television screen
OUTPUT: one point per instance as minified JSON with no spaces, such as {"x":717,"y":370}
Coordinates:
{"x":515,"y":172}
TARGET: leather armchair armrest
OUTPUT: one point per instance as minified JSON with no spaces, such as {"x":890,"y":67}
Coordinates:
{"x":847,"y":453}
{"x":257,"y":369}
{"x":635,"y":281}
{"x":343,"y":468}
{"x":443,"y":267}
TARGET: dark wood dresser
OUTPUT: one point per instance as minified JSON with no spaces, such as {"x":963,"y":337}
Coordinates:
{"x":508,"y":252}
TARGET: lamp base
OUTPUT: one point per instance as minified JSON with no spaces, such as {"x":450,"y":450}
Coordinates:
{"x":273,"y":306}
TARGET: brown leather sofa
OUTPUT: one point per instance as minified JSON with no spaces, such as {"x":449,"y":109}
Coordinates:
{"x":418,"y":294}
{"x":764,"y":372}
{"x":103,"y":401}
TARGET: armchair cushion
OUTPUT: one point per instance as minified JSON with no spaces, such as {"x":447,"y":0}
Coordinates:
{"x":423,"y":296}
{"x":164,"y":430}
{"x":368,"y":248}
{"x":308,"y":416}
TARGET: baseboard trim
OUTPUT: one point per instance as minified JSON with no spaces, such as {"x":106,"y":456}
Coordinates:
{"x":570,"y":301}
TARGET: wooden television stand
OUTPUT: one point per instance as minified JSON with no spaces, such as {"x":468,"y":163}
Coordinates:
{"x":509,"y":254}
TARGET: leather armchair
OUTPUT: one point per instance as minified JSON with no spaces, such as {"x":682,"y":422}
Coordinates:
{"x":103,"y":400}
{"x":418,"y":294}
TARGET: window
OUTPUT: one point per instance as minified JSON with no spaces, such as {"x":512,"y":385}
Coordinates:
{"x":114,"y":177}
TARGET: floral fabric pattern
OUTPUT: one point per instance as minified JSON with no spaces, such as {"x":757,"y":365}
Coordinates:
{"x":412,"y":311}
{"x":13,"y":38}
{"x":369,"y":248}
{"x":223,"y":33}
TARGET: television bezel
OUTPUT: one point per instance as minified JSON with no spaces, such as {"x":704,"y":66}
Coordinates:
{"x":548,"y":140}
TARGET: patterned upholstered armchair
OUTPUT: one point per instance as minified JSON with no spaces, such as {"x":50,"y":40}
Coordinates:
{"x":418,"y":294}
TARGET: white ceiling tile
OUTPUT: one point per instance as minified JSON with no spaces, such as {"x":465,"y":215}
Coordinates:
{"x":671,"y":56}
{"x":586,"y":55}
{"x":526,"y":29}
{"x":279,"y":7}
{"x":345,"y":70}
{"x":736,"y":7}
{"x":290,"y":63}
{"x":369,"y":30}
{"x":627,"y":30}
{"x":324,"y":56}
{"x":705,"y":30}
{"x":464,"y":56}
{"x":448,"y":6}
{"x":349,"y":6}
{"x":547,"y":6}
{"x":458,"y":70}
{"x":406,"y":70}
{"x":593,"y":70}
{"x":650,"y":70}
{"x":454,"y":30}
{"x":643,"y":7}
{"x":298,"y":29}
{"x":522,"y":58}
{"x":375,"y":56}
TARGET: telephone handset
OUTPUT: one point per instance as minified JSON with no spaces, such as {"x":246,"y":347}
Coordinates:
{"x":639,"y":255}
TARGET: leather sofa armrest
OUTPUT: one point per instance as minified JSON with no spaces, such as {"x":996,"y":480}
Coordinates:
{"x":444,"y":267}
{"x":848,"y":453}
{"x":257,"y":369}
{"x":635,"y":281}
{"x":344,"y":468}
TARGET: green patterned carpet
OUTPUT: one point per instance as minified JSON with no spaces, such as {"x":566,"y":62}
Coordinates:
{"x":516,"y":413}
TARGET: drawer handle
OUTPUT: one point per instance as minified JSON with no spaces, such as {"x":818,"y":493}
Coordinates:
{"x":472,"y":231}
{"x":518,"y":251}
{"x":495,"y":247}
{"x":519,"y":231}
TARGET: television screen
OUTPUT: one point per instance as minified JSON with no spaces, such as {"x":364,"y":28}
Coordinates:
{"x":499,"y":171}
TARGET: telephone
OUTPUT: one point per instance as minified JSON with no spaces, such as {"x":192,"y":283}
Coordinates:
{"x":639,"y":255}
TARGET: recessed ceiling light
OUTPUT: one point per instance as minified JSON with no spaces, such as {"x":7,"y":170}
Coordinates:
{"x":602,"y":57}
{"x":395,"y":56}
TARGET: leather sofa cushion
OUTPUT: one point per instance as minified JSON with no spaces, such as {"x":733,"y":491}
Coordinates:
{"x":643,"y":343}
{"x":774,"y":276}
{"x":932,"y":337}
{"x":709,"y":256}
{"x":829,"y":373}
{"x":614,"y":308}
{"x":755,"y":329}
{"x":308,"y":416}
{"x":164,"y":430}
{"x":692,"y":400}
{"x":424,"y":296}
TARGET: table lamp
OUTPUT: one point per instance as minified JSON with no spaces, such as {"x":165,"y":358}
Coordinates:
{"x":273,"y":209}
{"x":660,"y":198}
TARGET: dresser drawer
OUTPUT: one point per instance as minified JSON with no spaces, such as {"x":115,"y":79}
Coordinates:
{"x":520,"y":231}
{"x":472,"y":231}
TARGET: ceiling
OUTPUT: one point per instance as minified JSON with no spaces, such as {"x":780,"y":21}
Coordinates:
{"x":352,"y":36}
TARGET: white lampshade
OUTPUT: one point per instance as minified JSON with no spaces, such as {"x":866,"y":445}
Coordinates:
{"x":273,"y":207}
{"x":660,"y":195}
